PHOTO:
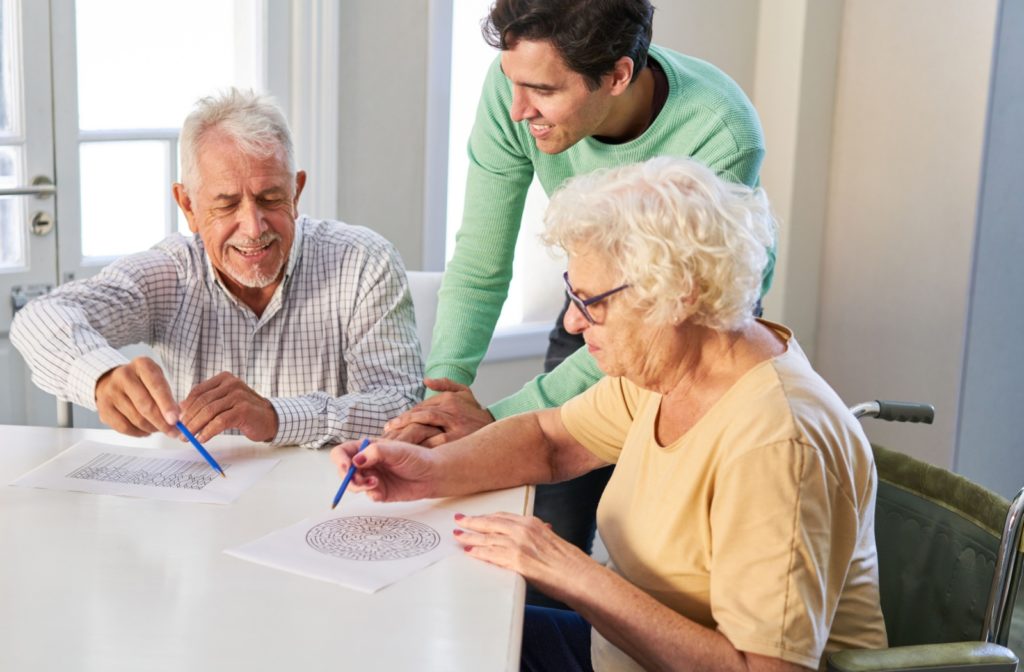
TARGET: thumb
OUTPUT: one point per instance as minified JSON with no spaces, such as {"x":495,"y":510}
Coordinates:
{"x":444,"y":385}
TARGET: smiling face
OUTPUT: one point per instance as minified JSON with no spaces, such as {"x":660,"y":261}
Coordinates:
{"x":554,"y":99}
{"x":244,"y":210}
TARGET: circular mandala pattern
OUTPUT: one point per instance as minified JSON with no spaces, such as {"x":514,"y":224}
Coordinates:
{"x":372,"y":538}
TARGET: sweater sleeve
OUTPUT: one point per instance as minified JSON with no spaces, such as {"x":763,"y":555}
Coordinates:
{"x":477,"y":278}
{"x":574,"y":375}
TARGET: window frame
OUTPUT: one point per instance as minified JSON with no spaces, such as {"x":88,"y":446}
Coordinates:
{"x":510,"y":342}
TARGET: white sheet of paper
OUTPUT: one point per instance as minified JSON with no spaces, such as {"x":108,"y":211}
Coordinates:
{"x":362,"y":544}
{"x":177,"y":475}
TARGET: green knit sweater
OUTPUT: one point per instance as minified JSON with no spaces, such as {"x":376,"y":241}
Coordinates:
{"x":706,"y":116}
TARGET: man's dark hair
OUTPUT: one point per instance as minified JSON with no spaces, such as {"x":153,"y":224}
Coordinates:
{"x":591,"y":35}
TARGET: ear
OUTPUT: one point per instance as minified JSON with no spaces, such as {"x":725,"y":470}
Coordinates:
{"x":621,"y":75}
{"x":300,"y":183}
{"x":185,"y":203}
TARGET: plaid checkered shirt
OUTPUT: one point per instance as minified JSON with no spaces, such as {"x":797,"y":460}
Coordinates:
{"x":335,"y":351}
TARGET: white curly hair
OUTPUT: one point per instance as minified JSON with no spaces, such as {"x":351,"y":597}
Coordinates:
{"x":253,"y":121}
{"x":690,"y":244}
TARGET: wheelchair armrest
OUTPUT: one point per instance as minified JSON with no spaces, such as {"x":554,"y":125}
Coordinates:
{"x":952,"y":657}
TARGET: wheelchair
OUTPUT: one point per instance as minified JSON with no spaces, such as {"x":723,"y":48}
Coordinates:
{"x":944,"y":545}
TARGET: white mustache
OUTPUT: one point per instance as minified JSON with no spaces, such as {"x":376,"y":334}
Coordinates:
{"x":265,"y":239}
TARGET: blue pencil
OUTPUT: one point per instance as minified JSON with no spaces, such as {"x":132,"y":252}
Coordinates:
{"x":349,"y":475}
{"x":202,"y":451}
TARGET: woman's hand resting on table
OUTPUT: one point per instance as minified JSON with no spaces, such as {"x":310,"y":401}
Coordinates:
{"x":527,"y":545}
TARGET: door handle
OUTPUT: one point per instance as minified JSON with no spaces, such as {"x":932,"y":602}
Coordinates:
{"x":41,"y":187}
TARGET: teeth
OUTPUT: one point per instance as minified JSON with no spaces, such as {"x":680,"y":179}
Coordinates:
{"x":540,"y":127}
{"x":249,"y":252}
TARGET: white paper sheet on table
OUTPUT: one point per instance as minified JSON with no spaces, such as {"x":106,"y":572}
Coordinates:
{"x":362,"y":545}
{"x":174,"y":474}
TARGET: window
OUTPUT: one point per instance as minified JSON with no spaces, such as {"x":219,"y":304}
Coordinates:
{"x":12,"y":139}
{"x":535,"y":295}
{"x":130,"y":109}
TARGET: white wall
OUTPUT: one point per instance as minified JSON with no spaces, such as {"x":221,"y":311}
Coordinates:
{"x":910,"y":113}
{"x":382,"y":120}
{"x":989,"y":438}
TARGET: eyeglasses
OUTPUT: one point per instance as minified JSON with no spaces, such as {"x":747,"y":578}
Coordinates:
{"x":583,"y":304}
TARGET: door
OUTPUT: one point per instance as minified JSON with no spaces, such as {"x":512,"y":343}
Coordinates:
{"x":93,"y":95}
{"x":28,"y":238}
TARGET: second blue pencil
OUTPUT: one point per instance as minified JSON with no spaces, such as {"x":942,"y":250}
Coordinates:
{"x":349,"y":475}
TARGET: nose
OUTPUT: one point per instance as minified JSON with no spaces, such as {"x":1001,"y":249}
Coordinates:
{"x":574,"y":321}
{"x":520,"y":108}
{"x":250,"y":219}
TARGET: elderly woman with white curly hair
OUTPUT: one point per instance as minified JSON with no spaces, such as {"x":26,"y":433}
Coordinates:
{"x":739,"y":516}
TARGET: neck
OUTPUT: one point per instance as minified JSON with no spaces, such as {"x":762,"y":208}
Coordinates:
{"x":702,"y":356}
{"x":256,"y":298}
{"x":631,"y":112}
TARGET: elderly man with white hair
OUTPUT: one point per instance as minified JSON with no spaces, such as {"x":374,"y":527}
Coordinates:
{"x":284,"y":328}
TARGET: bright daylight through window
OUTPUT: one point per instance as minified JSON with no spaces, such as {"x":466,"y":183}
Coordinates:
{"x":130,"y":109}
{"x":536,"y":292}
{"x":12,"y":209}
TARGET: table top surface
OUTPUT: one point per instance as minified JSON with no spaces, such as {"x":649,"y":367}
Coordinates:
{"x":99,"y":582}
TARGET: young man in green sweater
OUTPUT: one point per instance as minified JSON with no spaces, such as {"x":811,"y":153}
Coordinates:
{"x":577,"y":87}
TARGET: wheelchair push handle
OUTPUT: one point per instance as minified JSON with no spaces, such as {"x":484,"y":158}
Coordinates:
{"x":895,"y":411}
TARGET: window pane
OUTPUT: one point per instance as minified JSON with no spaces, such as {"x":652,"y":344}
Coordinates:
{"x":9,"y":103}
{"x":124,"y":196}
{"x":535,"y":294}
{"x":178,"y":50}
{"x":12,"y":212}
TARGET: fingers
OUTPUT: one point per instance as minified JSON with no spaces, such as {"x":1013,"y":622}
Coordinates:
{"x":400,"y":421}
{"x":418,"y":434}
{"x":494,"y":522}
{"x":204,"y":393}
{"x":117,"y":421}
{"x":159,"y":390}
{"x":438,"y":439}
{"x":125,"y":398}
{"x":225,"y":402}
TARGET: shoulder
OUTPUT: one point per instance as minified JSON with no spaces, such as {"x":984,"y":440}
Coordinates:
{"x":175,"y":255}
{"x":694,"y":83}
{"x":786,"y":402}
{"x":611,"y":396}
{"x":331,"y":244}
{"x":331,"y":236}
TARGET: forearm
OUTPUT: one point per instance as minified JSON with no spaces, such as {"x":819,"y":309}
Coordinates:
{"x":654,"y":635}
{"x":515,"y":451}
{"x":475,"y":284}
{"x":477,"y":278}
{"x":505,"y":454}
{"x":66,"y":356}
{"x":570,"y":378}
{"x":318,"y":419}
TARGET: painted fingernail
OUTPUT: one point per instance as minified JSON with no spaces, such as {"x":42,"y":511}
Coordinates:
{"x":360,"y":460}
{"x":467,"y":549}
{"x":456,"y":532}
{"x":459,"y":516}
{"x":371,"y":481}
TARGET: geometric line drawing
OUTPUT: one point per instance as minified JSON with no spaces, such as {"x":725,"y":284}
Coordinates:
{"x":372,"y":538}
{"x":161,"y":472}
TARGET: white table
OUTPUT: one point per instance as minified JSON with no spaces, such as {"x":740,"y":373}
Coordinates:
{"x":95,"y":582}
